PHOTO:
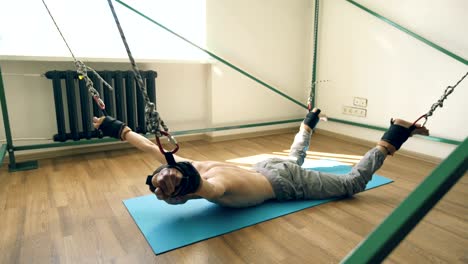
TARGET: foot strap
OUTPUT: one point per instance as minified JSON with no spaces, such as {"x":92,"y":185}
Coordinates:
{"x":395,"y":136}
{"x":312,"y":119}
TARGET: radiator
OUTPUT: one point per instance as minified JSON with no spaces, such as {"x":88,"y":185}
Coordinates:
{"x":75,"y":108}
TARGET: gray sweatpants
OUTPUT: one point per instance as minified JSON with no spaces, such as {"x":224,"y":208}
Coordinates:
{"x":292,"y":182}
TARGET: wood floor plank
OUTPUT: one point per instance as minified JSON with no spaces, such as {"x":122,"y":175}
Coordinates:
{"x":70,"y":210}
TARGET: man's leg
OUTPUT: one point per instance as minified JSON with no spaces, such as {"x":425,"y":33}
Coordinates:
{"x":317,"y":185}
{"x":301,"y":142}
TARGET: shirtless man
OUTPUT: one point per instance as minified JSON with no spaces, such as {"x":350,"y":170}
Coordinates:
{"x":281,"y":179}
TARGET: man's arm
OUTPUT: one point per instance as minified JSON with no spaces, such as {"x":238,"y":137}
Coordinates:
{"x":138,"y":141}
{"x":147,"y":145}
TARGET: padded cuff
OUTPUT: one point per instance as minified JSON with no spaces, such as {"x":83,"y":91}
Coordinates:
{"x":189,"y":183}
{"x":190,"y":179}
{"x":149,"y":180}
{"x":112,"y":127}
{"x":396,"y":135}
{"x":312,"y":119}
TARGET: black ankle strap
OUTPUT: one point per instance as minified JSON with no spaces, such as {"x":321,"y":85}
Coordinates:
{"x":397,"y":135}
{"x":312,"y":119}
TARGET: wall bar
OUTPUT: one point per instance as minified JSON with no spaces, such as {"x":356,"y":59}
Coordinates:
{"x":175,"y":133}
{"x":6,"y":121}
{"x":382,"y":241}
{"x":65,"y":144}
{"x":437,"y":139}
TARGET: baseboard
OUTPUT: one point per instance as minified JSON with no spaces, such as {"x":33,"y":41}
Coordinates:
{"x":54,"y":153}
{"x":370,"y":144}
{"x":84,"y":149}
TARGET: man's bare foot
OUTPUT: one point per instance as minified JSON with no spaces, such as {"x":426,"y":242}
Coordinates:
{"x":419,"y":130}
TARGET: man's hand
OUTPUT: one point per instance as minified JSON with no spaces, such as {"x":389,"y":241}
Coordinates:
{"x":176,"y":200}
{"x":166,"y":182}
{"x":98,"y":121}
{"x":111,"y":127}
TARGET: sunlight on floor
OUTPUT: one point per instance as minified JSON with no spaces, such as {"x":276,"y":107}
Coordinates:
{"x":311,"y":155}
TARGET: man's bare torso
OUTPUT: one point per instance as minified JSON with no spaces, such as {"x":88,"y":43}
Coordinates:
{"x":242,"y":187}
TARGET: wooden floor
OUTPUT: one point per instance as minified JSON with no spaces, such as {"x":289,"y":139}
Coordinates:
{"x":70,"y":210}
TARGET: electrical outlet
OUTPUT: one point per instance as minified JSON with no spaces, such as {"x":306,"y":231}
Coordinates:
{"x":359,"y":101}
{"x":354,"y":111}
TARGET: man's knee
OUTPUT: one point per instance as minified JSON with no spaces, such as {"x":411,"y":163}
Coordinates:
{"x":354,"y":184}
{"x":299,"y":159}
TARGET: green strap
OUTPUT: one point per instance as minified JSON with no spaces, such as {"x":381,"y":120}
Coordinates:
{"x":409,"y":32}
{"x":213,"y":129}
{"x":3,"y":150}
{"x":382,"y":241}
{"x":436,"y":139}
{"x":215,"y":56}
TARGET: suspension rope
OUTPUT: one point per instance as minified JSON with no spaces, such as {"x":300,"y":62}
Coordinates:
{"x":310,"y":101}
{"x":82,"y":70}
{"x":441,"y":100}
{"x":55,"y":23}
{"x":153,"y":119}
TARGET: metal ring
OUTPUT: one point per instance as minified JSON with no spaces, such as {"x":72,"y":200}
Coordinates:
{"x":171,"y":139}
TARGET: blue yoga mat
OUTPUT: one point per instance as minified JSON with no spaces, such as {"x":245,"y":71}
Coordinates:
{"x":167,"y":227}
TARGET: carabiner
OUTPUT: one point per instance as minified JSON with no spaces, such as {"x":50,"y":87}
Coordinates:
{"x":170,"y":139}
{"x":99,"y":102}
{"x":421,"y":117}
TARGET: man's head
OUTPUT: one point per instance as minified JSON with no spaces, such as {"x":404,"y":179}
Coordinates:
{"x":189,"y":181}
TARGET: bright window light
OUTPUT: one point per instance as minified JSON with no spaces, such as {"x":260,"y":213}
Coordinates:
{"x":90,"y":30}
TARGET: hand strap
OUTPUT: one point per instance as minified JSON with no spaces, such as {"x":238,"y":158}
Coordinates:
{"x":112,"y":127}
{"x":189,"y":183}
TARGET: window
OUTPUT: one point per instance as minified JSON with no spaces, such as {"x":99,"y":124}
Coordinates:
{"x":90,"y":30}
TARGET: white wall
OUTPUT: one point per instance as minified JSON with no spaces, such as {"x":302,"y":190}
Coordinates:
{"x":399,"y":75}
{"x":268,"y":39}
{"x":361,"y":55}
